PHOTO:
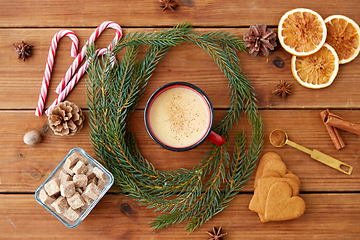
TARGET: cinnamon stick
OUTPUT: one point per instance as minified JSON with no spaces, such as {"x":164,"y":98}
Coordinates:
{"x":333,"y":132}
{"x":344,"y":125}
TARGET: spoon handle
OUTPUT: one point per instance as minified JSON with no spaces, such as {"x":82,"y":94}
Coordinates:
{"x":331,"y":162}
{"x":323,"y":158}
{"x":299,"y":147}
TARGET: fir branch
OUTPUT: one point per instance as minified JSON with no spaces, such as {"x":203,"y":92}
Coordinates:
{"x":113,"y":93}
{"x":171,"y":37}
{"x":205,"y":198}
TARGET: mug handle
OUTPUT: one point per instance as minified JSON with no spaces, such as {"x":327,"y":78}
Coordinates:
{"x":216,"y":138}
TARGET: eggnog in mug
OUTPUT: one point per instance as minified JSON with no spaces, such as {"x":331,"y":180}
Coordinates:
{"x":179,"y":116}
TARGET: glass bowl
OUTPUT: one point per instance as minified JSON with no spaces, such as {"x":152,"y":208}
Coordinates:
{"x":68,"y":223}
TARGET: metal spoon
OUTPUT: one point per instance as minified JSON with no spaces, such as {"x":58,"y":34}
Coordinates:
{"x":279,"y":138}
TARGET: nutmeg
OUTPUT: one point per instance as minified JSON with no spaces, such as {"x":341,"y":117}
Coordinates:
{"x":32,"y":138}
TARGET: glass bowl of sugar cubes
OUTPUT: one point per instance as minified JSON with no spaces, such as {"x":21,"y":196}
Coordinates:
{"x":74,"y":188}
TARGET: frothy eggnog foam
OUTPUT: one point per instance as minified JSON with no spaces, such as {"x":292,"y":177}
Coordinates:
{"x":179,"y":117}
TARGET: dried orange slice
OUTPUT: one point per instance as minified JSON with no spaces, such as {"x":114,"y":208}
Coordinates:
{"x":301,"y":32}
{"x":343,"y":34}
{"x":317,"y":70}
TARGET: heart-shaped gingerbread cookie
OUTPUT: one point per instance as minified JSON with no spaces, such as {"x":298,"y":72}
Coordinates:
{"x":280,"y":204}
{"x":265,"y":185}
{"x":254,"y":204}
{"x":293,"y":177}
{"x":264,"y":159}
{"x":270,"y":174}
{"x":275,"y":165}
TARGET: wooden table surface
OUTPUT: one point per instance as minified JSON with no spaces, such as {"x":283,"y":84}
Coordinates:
{"x":332,"y":198}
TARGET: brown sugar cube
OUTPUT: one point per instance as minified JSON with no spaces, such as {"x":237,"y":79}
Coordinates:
{"x":90,"y":174}
{"x":101,"y":184}
{"x":46,"y":199}
{"x":73,"y":159}
{"x":69,"y":164}
{"x":77,"y":156}
{"x":100,"y":174}
{"x":92,"y":191}
{"x":80,"y":180}
{"x":52,"y":187}
{"x":80,"y":168}
{"x":72,"y":214}
{"x":83,"y":207}
{"x":56,"y":195}
{"x":67,"y":189}
{"x":74,"y":156}
{"x":68,"y":170}
{"x":94,"y":180}
{"x":60,"y":204}
{"x":79,"y":190}
{"x":67,"y":178}
{"x":76,"y":201}
{"x":90,"y":167}
{"x":64,"y":176}
{"x":87,"y":200}
{"x":83,"y":159}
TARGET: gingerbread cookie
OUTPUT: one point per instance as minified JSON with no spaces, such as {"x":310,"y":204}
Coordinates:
{"x":276,"y":189}
{"x":281,"y":205}
{"x":275,"y":165}
{"x":293,"y":177}
{"x":255,"y":203}
{"x":265,"y":184}
{"x":264,"y":159}
{"x":270,"y":174}
{"x":262,"y":218}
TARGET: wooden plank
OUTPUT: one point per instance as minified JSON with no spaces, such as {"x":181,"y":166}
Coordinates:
{"x":327,"y":216}
{"x":209,"y":13}
{"x":333,"y":198}
{"x":23,"y":168}
{"x":20,"y":81}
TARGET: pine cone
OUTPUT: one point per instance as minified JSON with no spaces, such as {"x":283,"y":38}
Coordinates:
{"x":260,"y":38}
{"x":66,"y":119}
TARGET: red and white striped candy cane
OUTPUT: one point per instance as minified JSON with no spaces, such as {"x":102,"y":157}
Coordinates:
{"x":50,"y":63}
{"x":76,"y":79}
{"x":70,"y":72}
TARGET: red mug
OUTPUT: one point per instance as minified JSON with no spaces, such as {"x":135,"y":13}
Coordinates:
{"x":170,"y":108}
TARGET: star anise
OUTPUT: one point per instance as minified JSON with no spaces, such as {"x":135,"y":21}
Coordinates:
{"x":260,"y":38}
{"x":283,"y":89}
{"x":23,"y":49}
{"x":216,"y":234}
{"x":168,"y":4}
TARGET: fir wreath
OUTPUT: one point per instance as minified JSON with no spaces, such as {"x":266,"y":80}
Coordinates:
{"x":113,"y":93}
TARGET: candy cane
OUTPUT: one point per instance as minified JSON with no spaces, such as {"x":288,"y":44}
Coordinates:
{"x":70,"y":72}
{"x":76,"y":79}
{"x":50,"y":63}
